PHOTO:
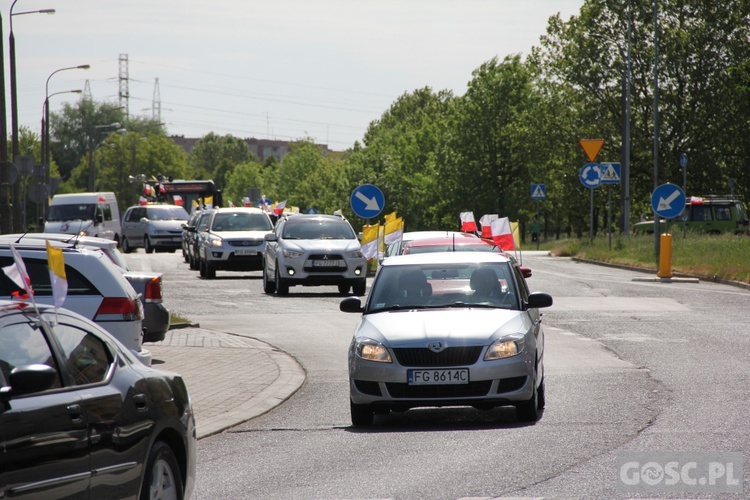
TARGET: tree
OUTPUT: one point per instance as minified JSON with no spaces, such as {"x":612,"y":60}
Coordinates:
{"x":214,"y":156}
{"x":245,"y":175}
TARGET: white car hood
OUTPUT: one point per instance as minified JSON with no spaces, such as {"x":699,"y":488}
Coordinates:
{"x":67,"y":227}
{"x":476,"y":326}
{"x":240,"y":235}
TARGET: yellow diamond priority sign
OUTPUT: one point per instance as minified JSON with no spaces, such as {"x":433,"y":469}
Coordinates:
{"x":591,"y":147}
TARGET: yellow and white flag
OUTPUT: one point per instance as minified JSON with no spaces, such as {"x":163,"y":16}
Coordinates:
{"x":370,"y":241}
{"x":394,"y":230}
{"x":59,"y":281}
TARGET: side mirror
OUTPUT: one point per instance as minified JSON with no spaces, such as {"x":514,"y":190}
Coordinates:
{"x":351,"y":305}
{"x":537,"y":300}
{"x":27,"y":379}
{"x":100,"y":218}
{"x":525,"y":271}
{"x":270,"y":237}
{"x":143,"y":219}
{"x":184,"y":225}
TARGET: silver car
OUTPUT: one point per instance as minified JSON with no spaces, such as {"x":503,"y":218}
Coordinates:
{"x":155,"y":227}
{"x":447,"y":329}
{"x":314,"y":250}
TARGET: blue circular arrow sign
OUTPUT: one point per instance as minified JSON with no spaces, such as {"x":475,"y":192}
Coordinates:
{"x":668,"y":201}
{"x":367,"y":201}
{"x":591,"y":175}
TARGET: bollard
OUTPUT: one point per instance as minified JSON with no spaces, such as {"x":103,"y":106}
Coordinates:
{"x":665,"y":256}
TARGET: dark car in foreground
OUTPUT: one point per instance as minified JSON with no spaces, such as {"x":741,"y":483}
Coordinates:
{"x":81,"y":417}
{"x":447,"y":329}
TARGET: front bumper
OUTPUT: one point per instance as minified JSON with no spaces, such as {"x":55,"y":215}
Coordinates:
{"x":493,"y":383}
{"x":164,"y":241}
{"x":300,"y":272}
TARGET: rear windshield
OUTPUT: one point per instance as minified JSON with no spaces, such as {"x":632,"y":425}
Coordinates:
{"x":78,"y":211}
{"x":239,"y":221}
{"x":167,"y":213}
{"x":318,"y":230}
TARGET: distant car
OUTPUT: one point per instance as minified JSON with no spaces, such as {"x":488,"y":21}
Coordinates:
{"x":156,"y":316}
{"x":196,"y":232}
{"x":187,"y":235}
{"x":714,"y":214}
{"x":314,"y":250}
{"x":453,"y":243}
{"x":97,"y":290}
{"x":80,"y":417}
{"x":397,"y":248}
{"x":155,"y":227}
{"x":447,"y":329}
{"x":233,"y":240}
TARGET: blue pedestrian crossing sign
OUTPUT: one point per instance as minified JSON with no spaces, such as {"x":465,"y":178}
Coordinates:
{"x":538,"y":192}
{"x":367,"y":201}
{"x":668,"y":201}
{"x":610,"y":172}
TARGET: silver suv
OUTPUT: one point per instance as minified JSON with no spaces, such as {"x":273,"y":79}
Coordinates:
{"x":313,"y":250}
{"x":233,"y":240}
{"x":153,"y":227}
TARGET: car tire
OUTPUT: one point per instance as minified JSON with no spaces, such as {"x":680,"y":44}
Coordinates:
{"x":163,"y":478}
{"x":147,"y":246}
{"x":202,"y":268}
{"x":193,"y":262}
{"x":210,"y":271}
{"x":125,"y":245}
{"x":282,"y":287}
{"x":528,"y":411}
{"x":269,"y":286}
{"x":360,"y":289}
{"x":344,"y":289}
{"x":540,"y":397}
{"x":362,"y":415}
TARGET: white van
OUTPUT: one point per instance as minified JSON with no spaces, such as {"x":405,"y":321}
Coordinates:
{"x":87,"y":214}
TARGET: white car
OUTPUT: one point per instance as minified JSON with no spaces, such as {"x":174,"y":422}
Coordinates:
{"x":447,"y":329}
{"x":233,"y":240}
{"x":97,"y":289}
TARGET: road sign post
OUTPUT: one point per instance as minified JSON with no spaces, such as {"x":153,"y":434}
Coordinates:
{"x":610,"y":175}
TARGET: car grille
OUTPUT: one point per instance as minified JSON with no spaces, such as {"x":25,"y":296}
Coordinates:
{"x":452,"y":356}
{"x":325,"y":263}
{"x":472,"y":389}
{"x":245,"y":243}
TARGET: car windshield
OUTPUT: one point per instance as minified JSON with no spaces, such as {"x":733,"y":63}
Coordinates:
{"x":77,"y":211}
{"x":440,"y":286}
{"x":318,"y":230}
{"x":239,"y":221}
{"x":167,"y":213}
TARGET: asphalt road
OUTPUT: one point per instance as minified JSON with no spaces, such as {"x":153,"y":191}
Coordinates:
{"x":632,"y":366}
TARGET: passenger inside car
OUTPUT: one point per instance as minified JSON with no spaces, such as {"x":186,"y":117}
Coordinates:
{"x":414,"y":285}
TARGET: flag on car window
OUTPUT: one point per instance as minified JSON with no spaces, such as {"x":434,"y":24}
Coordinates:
{"x":486,"y":222}
{"x":468,"y":225}
{"x":59,"y":281}
{"x":370,"y":241}
{"x":501,"y":234}
{"x":18,"y":274}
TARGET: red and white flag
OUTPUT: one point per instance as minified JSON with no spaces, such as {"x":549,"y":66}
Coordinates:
{"x":142,"y":201}
{"x":486,"y":221}
{"x":178,"y":200}
{"x":467,"y":222}
{"x":278,"y":209}
{"x":502,"y":235}
{"x":18,"y":274}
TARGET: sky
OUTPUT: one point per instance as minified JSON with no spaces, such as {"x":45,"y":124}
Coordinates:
{"x":276,"y":69}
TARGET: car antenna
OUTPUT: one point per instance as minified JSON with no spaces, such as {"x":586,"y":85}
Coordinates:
{"x":21,"y":237}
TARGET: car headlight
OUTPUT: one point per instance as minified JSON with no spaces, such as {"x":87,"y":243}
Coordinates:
{"x":215,"y":242}
{"x":373,"y":351}
{"x":292,"y":254}
{"x":505,"y":348}
{"x":356,"y":254}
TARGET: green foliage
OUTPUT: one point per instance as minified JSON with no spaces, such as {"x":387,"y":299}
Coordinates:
{"x":214,"y":156}
{"x":245,"y":175}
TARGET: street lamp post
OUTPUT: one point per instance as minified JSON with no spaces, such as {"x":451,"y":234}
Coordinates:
{"x":5,"y":212}
{"x":18,"y":221}
{"x":92,"y":169}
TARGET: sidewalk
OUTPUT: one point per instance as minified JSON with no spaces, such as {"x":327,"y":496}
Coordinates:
{"x":230,"y":378}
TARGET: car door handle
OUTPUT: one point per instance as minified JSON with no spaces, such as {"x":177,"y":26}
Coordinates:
{"x":140,"y":402}
{"x":76,"y":416}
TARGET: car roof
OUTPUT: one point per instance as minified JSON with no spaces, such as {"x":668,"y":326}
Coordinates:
{"x":33,"y":239}
{"x":419,"y":235}
{"x":321,"y":217}
{"x":457,"y":240}
{"x":252,"y":210}
{"x":446,"y":258}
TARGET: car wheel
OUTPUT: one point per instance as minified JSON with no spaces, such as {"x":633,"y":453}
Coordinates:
{"x":344,"y":289}
{"x":210,"y":271}
{"x":528,"y":411}
{"x":163,"y":478}
{"x":360,"y":288}
{"x":540,"y":398}
{"x":268,"y":285}
{"x":126,"y":248}
{"x":147,"y":246}
{"x":362,"y":415}
{"x":282,"y":288}
{"x":193,"y":262}
{"x":185,"y":255}
{"x":202,"y":268}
